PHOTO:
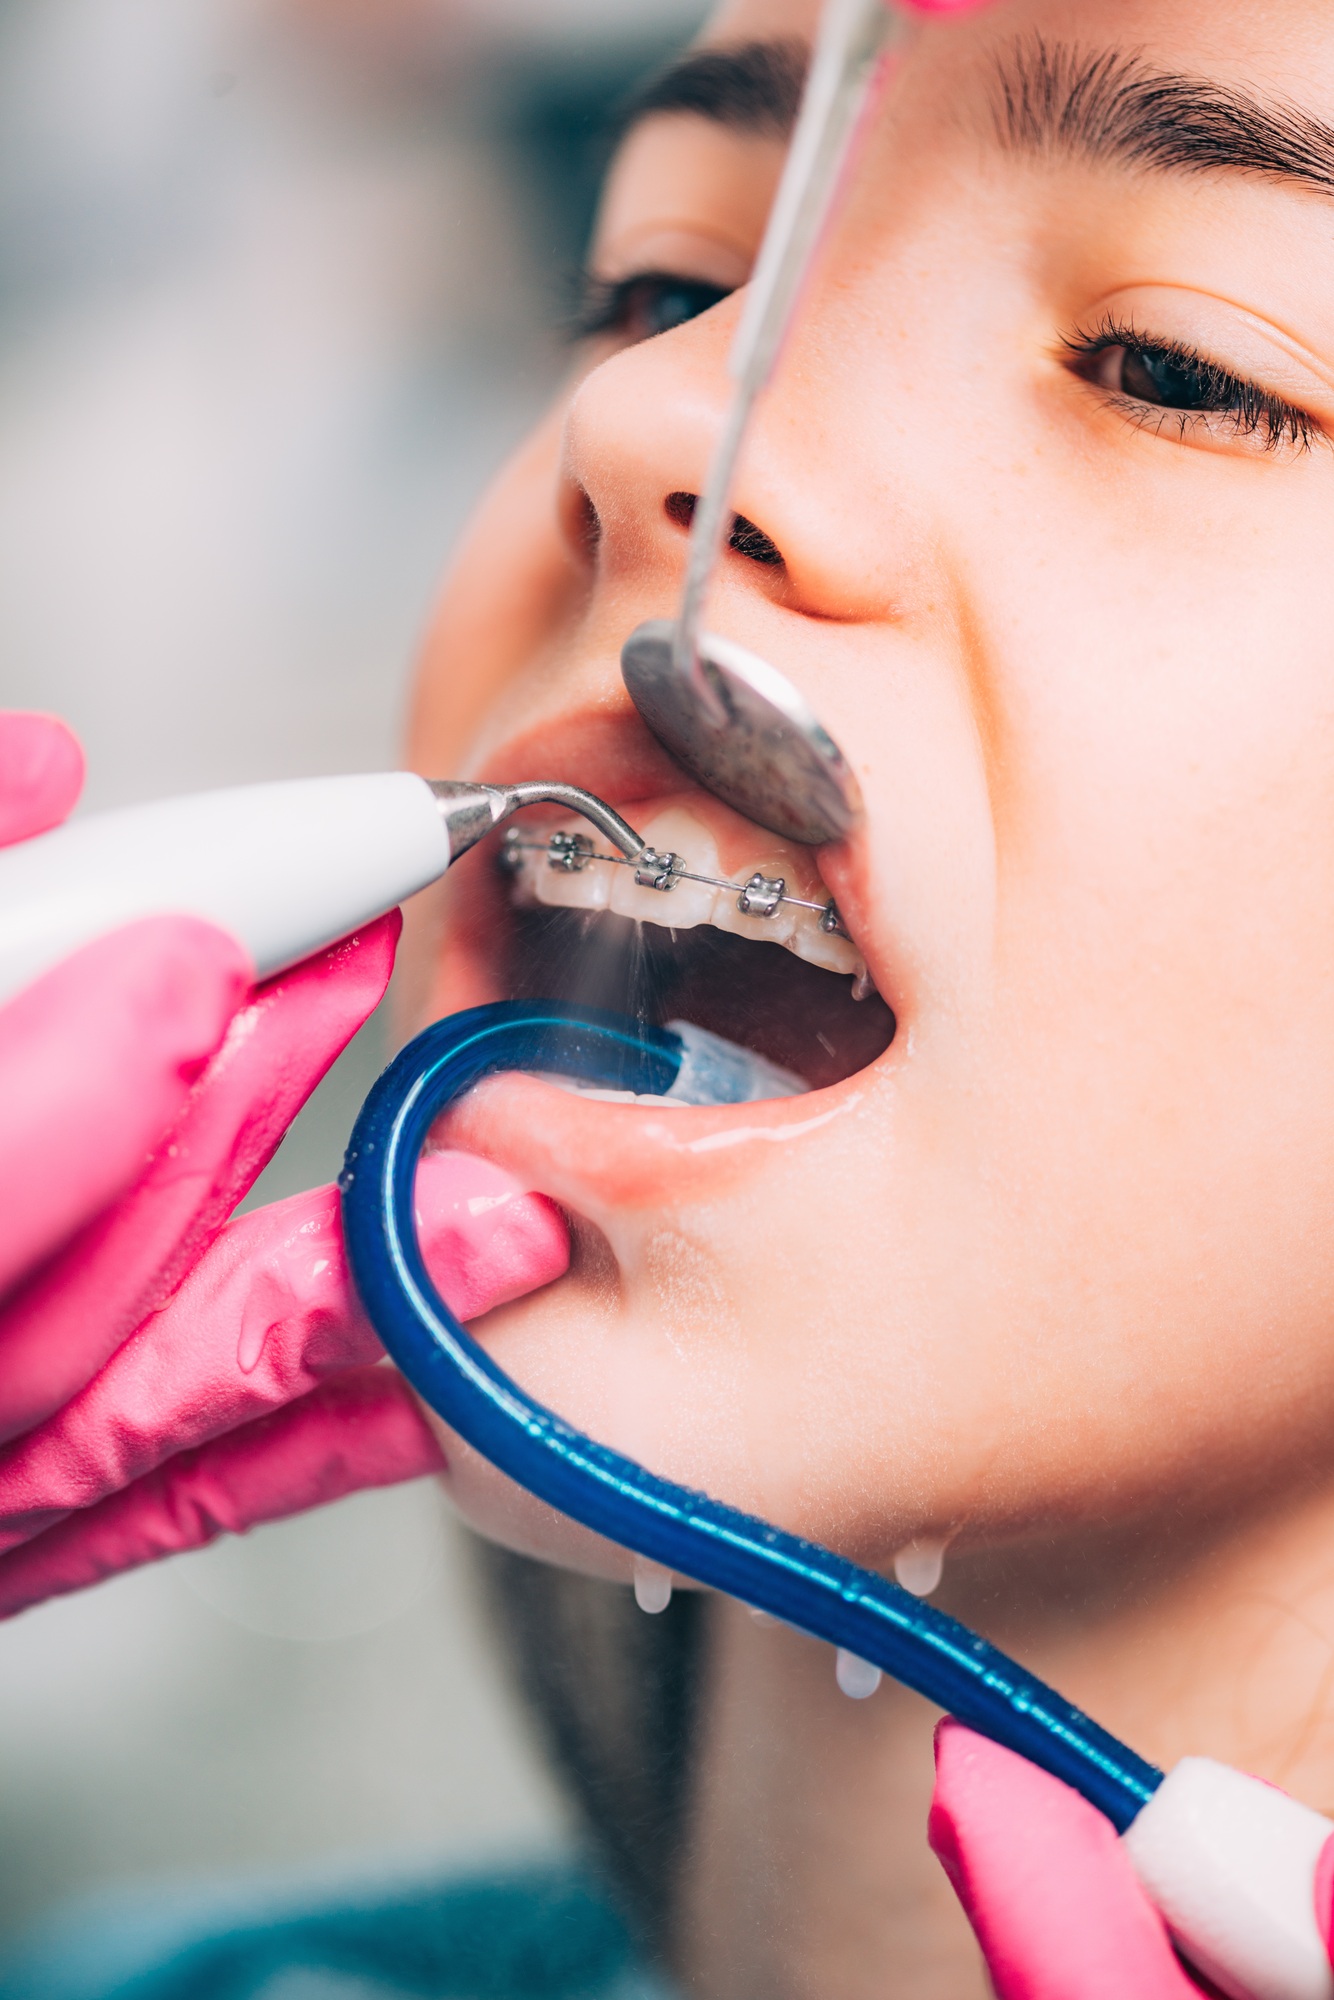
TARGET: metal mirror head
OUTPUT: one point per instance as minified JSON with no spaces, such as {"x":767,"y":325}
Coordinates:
{"x":767,"y":755}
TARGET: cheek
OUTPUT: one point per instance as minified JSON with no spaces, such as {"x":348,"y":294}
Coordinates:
{"x":1162,"y":1091}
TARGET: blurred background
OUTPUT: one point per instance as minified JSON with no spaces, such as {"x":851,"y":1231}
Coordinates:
{"x":281,"y":281}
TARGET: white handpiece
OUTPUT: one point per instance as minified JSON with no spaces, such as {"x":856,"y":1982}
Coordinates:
{"x":286,"y":868}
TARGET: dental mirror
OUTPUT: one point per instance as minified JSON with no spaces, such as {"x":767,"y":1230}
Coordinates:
{"x":736,"y":723}
{"x":769,"y":755}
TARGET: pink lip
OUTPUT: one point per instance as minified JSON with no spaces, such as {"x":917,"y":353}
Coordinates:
{"x":608,"y":752}
{"x":602,"y":1159}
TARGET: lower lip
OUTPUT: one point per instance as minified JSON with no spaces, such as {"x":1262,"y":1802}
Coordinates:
{"x":603,"y":1161}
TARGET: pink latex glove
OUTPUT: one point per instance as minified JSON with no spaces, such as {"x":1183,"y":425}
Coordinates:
{"x":258,"y":1389}
{"x":1047,"y":1886}
{"x":162,"y":1376}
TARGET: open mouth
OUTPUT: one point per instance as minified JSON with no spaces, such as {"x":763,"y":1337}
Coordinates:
{"x":755,"y":955}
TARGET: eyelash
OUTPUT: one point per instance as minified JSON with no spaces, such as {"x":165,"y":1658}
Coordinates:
{"x":606,"y":308}
{"x":1246,"y":409}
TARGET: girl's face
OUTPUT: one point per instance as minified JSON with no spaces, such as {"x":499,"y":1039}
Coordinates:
{"x":1047,"y":481}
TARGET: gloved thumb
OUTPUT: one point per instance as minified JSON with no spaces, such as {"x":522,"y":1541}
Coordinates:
{"x":1044,"y":1881}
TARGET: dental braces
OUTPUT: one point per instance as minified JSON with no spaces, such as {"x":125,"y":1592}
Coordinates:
{"x":655,"y":868}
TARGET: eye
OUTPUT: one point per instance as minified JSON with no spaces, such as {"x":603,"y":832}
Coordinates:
{"x":1159,"y":382}
{"x":647,"y":303}
{"x":1153,"y":375}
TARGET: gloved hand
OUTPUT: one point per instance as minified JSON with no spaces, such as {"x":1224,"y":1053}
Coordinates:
{"x":1047,"y":1886}
{"x":259,"y":1388}
{"x":166,"y":1375}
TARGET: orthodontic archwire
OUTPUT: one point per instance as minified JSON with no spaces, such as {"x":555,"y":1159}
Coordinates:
{"x":655,"y":868}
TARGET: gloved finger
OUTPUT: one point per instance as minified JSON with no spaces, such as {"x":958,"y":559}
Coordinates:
{"x":59,"y":1330}
{"x":360,"y":1430}
{"x":1044,"y":1882}
{"x":268,"y":1314}
{"x":97,"y":1058}
{"x":41,"y":773}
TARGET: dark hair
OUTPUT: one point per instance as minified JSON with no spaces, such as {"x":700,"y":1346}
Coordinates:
{"x":612,"y":1693}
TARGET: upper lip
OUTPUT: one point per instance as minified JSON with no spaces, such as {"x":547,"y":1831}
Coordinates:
{"x":612,"y":756}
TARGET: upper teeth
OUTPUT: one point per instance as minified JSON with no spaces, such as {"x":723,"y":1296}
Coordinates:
{"x":565,"y":869}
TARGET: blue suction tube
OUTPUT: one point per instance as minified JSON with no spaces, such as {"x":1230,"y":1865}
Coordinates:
{"x":686,"y":1532}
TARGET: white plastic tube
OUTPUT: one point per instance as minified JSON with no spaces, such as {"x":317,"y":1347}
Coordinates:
{"x":286,"y":868}
{"x":1231,"y":1863}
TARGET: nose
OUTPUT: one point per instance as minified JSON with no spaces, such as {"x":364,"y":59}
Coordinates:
{"x":736,"y":724}
{"x":640,"y":435}
{"x":871,"y":612}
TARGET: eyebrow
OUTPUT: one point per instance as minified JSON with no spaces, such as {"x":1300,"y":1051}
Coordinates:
{"x":753,"y":88}
{"x":1114,"y":106}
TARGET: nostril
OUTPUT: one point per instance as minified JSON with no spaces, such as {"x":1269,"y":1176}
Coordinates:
{"x":680,"y":507}
{"x":753,"y":543}
{"x":745,"y":538}
{"x":585,"y":524}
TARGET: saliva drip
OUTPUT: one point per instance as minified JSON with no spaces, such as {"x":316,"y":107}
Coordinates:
{"x":856,"y":1678}
{"x":653,"y":1585}
{"x":920,"y":1566}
